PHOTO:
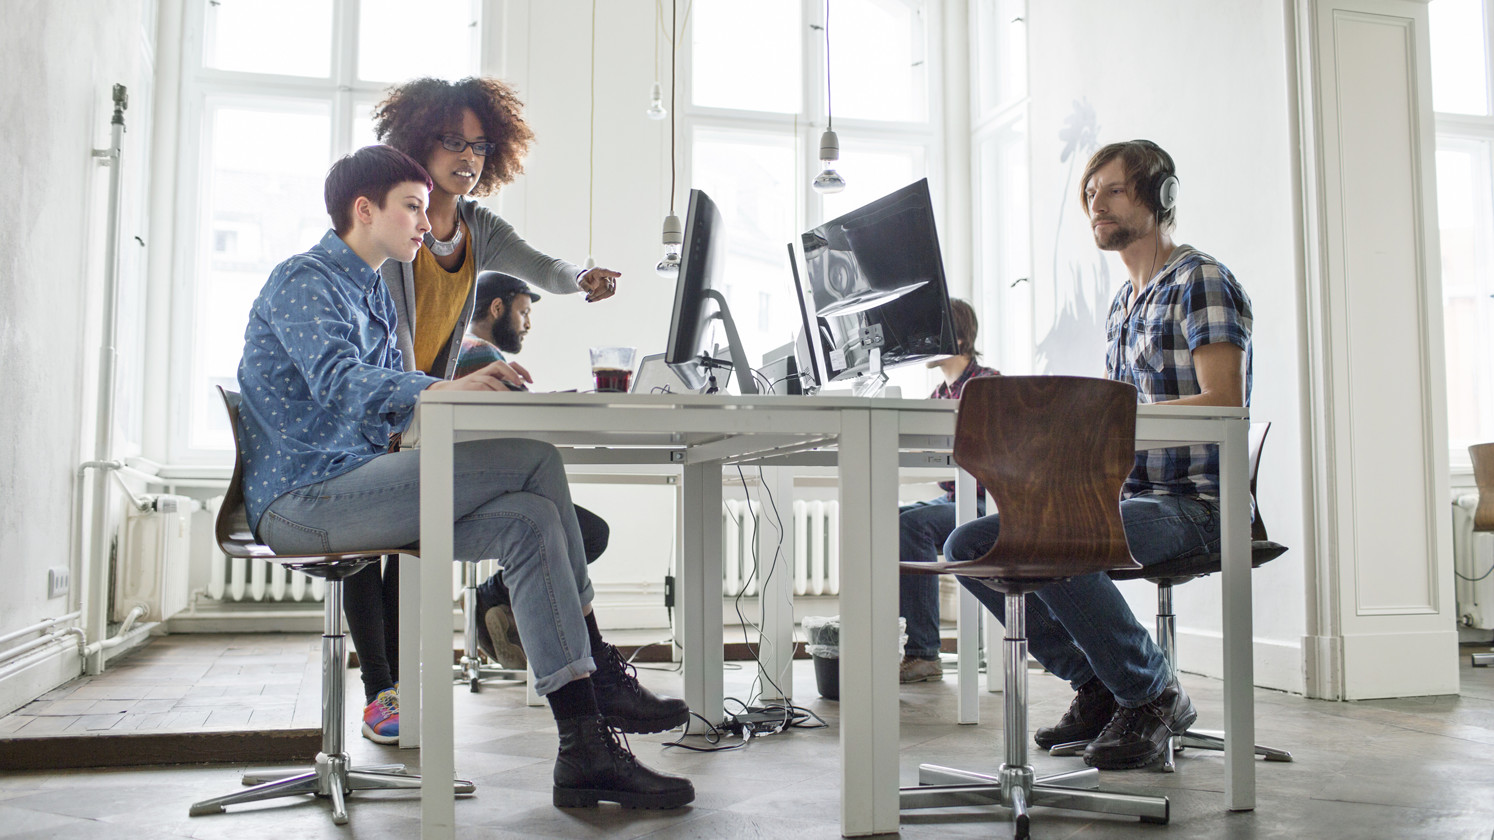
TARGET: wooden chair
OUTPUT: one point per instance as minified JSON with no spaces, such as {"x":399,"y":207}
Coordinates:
{"x":1052,"y":453}
{"x":332,"y":777}
{"x":1482,"y":455}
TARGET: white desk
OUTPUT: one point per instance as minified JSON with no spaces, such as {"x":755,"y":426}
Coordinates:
{"x":702,"y":434}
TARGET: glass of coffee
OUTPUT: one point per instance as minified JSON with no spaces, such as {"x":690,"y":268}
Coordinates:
{"x":612,"y":367}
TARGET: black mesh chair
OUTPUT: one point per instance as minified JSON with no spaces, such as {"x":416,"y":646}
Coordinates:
{"x":1180,"y":570}
{"x":332,"y":777}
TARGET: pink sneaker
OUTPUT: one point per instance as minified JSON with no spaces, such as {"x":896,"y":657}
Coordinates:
{"x":381,"y":718}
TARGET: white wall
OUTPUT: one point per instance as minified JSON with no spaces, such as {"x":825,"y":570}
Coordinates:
{"x":58,"y":59}
{"x":1208,"y":82}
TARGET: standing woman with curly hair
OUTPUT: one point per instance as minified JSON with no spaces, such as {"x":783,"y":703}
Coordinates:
{"x":471,"y":137}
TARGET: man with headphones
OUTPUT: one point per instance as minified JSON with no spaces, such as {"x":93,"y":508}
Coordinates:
{"x":1180,"y":332}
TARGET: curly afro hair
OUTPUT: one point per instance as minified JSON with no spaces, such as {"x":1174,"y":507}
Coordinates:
{"x":414,"y":115}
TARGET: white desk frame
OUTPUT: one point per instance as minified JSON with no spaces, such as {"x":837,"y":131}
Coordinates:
{"x":702,"y":434}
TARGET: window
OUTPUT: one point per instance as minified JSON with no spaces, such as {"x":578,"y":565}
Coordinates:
{"x":1465,"y":212}
{"x":753,"y":115}
{"x":276,"y":90}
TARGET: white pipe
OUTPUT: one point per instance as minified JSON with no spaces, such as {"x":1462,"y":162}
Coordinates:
{"x":95,"y":600}
{"x":19,"y":665}
{"x":38,"y":627}
{"x":137,"y":611}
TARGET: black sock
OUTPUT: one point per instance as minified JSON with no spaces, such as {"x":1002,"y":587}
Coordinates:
{"x":572,"y":700}
{"x":595,"y":633}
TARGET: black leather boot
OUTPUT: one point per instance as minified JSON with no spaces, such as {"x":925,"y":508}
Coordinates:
{"x":626,"y":704}
{"x":1093,"y":707}
{"x":594,"y":765}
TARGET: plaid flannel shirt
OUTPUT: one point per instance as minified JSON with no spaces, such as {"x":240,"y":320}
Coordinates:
{"x":1191,"y":302}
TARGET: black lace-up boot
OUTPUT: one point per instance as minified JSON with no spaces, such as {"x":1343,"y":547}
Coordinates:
{"x":1136,"y":737}
{"x":1093,"y":707}
{"x":625,"y":703}
{"x":595,"y":765}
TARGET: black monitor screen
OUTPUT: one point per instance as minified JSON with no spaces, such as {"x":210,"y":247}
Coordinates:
{"x":701,"y":328}
{"x":875,"y":279}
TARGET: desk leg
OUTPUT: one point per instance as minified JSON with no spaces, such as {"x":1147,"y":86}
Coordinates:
{"x":775,"y":579}
{"x":700,"y":591}
{"x":437,"y":764}
{"x":409,"y":649}
{"x":869,"y":652}
{"x":1239,"y":672}
{"x":967,"y":636}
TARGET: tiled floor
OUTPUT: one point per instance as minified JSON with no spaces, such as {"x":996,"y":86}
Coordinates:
{"x":1417,"y":768}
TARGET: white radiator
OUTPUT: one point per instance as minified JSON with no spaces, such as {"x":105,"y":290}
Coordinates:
{"x":1473,"y":559}
{"x":238,"y":579}
{"x":154,"y":557}
{"x":814,"y":528}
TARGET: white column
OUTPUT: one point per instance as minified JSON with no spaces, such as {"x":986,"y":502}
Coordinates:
{"x":699,"y":595}
{"x":1381,"y":616}
{"x":437,"y":765}
{"x":409,"y":649}
{"x":869,"y":653}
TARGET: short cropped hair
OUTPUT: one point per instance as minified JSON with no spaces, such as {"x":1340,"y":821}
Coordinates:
{"x":966,"y":328}
{"x":1146,"y":165}
{"x":371,"y":172}
{"x":414,"y":115}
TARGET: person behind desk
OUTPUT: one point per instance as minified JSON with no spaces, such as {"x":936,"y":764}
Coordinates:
{"x":924,"y":526}
{"x":500,"y":322}
{"x":1180,"y":332}
{"x":325,"y":391}
{"x":471,"y":137}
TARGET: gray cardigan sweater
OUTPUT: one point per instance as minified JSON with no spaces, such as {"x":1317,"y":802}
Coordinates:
{"x":496,"y":247}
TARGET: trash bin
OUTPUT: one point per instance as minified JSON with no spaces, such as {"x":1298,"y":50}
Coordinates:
{"x":822,"y":637}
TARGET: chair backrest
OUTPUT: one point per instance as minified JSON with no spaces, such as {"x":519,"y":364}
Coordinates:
{"x":1053,"y":453}
{"x":234,"y":535}
{"x":1258,"y":432}
{"x":1483,"y":475}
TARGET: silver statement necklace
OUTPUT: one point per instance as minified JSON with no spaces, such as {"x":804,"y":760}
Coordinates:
{"x":445,"y":249}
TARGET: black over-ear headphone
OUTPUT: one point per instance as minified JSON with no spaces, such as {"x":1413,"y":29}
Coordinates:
{"x":1161,"y":190}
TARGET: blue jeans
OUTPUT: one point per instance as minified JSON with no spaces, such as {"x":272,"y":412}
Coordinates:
{"x":1082,"y":628}
{"x":922,"y":528}
{"x":511,"y":501}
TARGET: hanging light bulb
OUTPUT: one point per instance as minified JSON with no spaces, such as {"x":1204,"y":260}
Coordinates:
{"x":656,"y":109}
{"x":674,"y":238}
{"x":829,"y":181}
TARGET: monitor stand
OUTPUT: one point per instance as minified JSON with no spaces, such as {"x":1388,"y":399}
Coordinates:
{"x":746,"y":381}
{"x":871,"y":383}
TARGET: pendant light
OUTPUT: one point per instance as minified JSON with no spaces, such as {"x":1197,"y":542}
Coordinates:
{"x":674,"y":233}
{"x":656,"y":110}
{"x":829,"y":180}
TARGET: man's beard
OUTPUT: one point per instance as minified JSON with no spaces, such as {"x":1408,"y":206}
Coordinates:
{"x":505,"y":337}
{"x":1117,"y":236}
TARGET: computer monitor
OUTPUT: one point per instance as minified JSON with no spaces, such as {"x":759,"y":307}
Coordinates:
{"x":872,"y":289}
{"x":701,"y":316}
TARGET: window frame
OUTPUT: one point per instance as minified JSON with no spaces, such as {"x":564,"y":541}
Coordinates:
{"x":806,"y":126}
{"x":1462,"y":128}
{"x":341,"y":93}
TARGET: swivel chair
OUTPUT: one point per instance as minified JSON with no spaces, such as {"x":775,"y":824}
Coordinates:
{"x":1052,"y":453}
{"x":331,"y":777}
{"x":1178,"y":570}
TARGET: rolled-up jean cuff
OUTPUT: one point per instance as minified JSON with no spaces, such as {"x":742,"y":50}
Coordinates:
{"x":587,"y":594}
{"x":570,"y":673}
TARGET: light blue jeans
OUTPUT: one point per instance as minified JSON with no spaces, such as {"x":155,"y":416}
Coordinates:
{"x":511,"y":502}
{"x":1082,"y":628}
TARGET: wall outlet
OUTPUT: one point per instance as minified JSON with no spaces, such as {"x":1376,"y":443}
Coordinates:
{"x":58,"y":581}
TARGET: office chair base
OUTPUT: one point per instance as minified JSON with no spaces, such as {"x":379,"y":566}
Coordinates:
{"x":1202,"y":739}
{"x":331,"y":778}
{"x":474,"y":672}
{"x":948,"y":787}
{"x":1482,"y":660}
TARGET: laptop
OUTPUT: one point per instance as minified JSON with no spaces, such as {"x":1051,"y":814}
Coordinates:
{"x":655,"y":376}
